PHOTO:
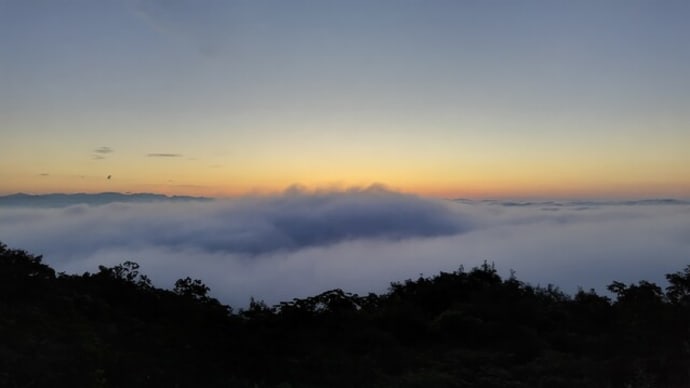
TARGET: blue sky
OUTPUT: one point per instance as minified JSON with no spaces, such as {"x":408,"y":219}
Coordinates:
{"x":447,"y":98}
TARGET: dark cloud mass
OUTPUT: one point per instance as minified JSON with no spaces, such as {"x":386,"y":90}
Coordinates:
{"x":300,"y":243}
{"x":258,"y":226}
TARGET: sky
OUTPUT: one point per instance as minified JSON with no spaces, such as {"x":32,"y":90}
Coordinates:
{"x":301,"y":243}
{"x":472,"y":99}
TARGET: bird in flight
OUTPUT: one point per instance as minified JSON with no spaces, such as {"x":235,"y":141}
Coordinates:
{"x":109,"y":176}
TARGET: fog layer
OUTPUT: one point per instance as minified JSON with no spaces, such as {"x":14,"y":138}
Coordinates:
{"x":301,"y":243}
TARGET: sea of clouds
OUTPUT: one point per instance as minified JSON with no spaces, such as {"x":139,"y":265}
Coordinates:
{"x":300,"y":243}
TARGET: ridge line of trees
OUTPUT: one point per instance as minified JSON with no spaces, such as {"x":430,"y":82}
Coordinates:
{"x":471,"y":328}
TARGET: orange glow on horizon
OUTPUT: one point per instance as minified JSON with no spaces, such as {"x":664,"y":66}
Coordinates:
{"x":487,"y":190}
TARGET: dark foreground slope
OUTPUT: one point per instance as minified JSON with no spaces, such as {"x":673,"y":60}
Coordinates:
{"x":461,"y":329}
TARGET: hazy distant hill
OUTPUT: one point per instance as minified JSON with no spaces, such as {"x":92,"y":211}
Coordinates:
{"x":579,"y":203}
{"x":62,"y":200}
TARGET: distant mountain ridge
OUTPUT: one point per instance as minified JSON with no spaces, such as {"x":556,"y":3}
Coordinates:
{"x":95,"y":199}
{"x":578,"y":203}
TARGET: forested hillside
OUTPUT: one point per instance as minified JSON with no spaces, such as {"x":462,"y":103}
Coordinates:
{"x":462,"y":329}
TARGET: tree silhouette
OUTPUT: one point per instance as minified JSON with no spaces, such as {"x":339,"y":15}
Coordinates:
{"x":195,"y":289}
{"x":458,"y":329}
{"x":678,"y":290}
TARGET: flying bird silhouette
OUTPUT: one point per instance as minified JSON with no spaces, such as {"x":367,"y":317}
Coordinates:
{"x":109,"y":176}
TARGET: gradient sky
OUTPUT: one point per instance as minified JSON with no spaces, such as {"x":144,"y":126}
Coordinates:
{"x":445,"y":98}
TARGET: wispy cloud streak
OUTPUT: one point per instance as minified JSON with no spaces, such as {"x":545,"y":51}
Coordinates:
{"x":103,"y":150}
{"x":164,"y":155}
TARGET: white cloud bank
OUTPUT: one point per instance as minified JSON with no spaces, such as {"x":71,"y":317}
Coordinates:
{"x":298,"y":244}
